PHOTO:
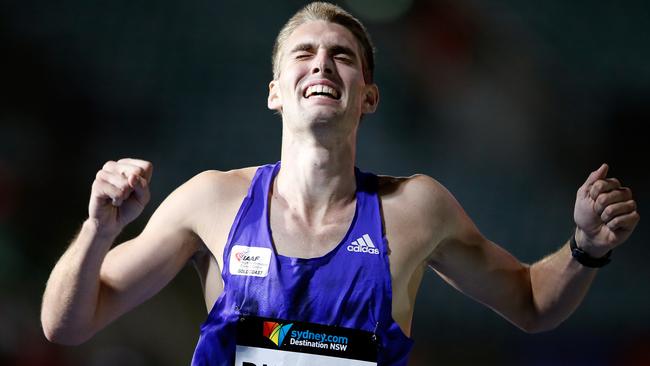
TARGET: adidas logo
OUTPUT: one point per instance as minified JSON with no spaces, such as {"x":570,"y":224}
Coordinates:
{"x":363,"y":245}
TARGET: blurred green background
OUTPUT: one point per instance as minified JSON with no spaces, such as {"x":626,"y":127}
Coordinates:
{"x":509,"y":104}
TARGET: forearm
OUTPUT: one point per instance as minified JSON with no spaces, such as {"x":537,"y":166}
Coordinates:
{"x":71,"y":295}
{"x":558,"y":283}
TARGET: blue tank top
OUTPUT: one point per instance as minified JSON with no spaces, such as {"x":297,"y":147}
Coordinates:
{"x":348,"y":287}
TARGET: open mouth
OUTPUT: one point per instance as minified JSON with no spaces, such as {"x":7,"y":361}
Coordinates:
{"x":321,"y":90}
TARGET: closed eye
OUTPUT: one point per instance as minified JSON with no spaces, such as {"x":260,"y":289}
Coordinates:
{"x":344,"y":59}
{"x":301,"y":56}
{"x":344,"y":54}
{"x":302,"y":51}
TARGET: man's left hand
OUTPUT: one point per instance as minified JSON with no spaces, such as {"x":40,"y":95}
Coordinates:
{"x":605,"y":213}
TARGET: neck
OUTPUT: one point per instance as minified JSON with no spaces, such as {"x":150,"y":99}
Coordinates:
{"x":317,"y":174}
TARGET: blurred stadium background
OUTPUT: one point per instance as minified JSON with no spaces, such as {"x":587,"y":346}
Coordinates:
{"x":509,"y":104}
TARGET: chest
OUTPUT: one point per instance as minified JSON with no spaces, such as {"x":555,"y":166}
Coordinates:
{"x":295,"y":236}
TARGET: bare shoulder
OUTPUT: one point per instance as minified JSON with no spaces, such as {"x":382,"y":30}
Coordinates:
{"x":195,"y":203}
{"x":212,"y":199}
{"x":214,"y":185}
{"x":419,"y":194}
{"x":417,"y":213}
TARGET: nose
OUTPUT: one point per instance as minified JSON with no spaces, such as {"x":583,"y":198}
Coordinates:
{"x":322,"y":63}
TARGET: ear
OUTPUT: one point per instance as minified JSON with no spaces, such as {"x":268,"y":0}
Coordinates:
{"x":274,"y":101}
{"x":371,"y":99}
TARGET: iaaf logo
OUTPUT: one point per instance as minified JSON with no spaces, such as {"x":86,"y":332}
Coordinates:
{"x":243,"y":256}
{"x":363,"y":245}
{"x":276,"y":331}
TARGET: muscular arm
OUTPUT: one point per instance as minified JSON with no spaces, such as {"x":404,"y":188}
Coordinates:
{"x":541,"y":296}
{"x":534,"y":298}
{"x":91,"y":286}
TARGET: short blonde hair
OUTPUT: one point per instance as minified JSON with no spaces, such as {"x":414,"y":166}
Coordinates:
{"x":334,"y":14}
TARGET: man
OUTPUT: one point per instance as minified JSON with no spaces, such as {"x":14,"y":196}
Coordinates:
{"x":311,"y":260}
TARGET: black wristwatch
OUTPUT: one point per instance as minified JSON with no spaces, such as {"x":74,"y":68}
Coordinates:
{"x":585,"y":259}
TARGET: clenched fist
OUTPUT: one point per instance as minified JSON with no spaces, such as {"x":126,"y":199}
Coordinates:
{"x":119,"y":193}
{"x":605,"y":213}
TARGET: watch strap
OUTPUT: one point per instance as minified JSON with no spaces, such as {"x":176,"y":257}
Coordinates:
{"x":585,"y":259}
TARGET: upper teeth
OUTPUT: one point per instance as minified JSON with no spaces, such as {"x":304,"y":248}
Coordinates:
{"x":321,"y":89}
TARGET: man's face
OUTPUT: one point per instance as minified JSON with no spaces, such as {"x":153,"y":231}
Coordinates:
{"x":321,"y":76}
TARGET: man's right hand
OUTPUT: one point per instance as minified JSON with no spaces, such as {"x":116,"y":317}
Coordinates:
{"x":119,"y":194}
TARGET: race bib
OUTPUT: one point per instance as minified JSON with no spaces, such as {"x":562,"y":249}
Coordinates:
{"x":273,"y":342}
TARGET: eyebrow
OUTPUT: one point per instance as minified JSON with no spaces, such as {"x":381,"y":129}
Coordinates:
{"x":302,"y":47}
{"x":336,"y":50}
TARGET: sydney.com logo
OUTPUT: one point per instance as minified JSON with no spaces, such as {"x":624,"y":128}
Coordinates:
{"x":276,"y":331}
